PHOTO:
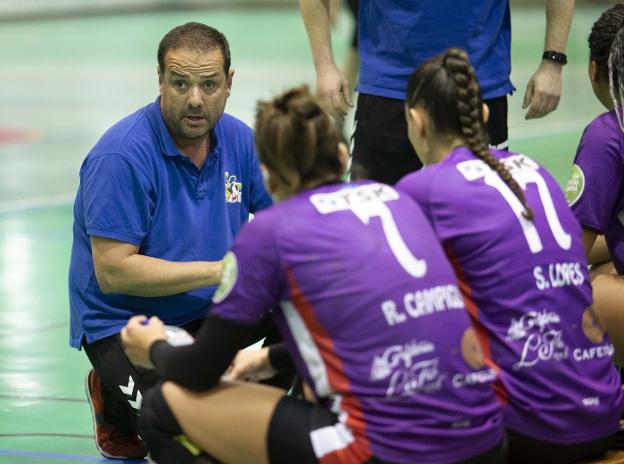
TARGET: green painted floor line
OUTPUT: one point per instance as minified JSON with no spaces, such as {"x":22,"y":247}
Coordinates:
{"x":65,"y":457}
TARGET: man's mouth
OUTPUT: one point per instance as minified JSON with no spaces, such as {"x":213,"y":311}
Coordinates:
{"x":194,"y":119}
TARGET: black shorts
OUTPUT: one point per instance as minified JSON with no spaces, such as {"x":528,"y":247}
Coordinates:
{"x":293,"y":422}
{"x":523,"y":449}
{"x":381,"y":148}
{"x":354,"y":6}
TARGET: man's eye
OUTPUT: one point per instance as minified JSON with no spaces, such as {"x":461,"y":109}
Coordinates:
{"x":179,"y":84}
{"x":209,"y":84}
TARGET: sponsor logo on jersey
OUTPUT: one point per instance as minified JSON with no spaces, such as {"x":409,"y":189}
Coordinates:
{"x":229,"y":275}
{"x":405,"y":370}
{"x":542,"y":339}
{"x":576,"y":185}
{"x":233,"y":189}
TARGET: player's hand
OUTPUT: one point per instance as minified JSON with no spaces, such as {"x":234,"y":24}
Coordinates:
{"x":333,"y":91}
{"x":251,"y":365}
{"x":543,"y":90}
{"x":137,"y":338}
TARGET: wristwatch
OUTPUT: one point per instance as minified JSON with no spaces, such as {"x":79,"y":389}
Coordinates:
{"x":557,"y":57}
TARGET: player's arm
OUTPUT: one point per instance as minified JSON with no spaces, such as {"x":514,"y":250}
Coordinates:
{"x":544,"y":88}
{"x":198,"y":366}
{"x":595,"y":247}
{"x":119,"y":268}
{"x":332,"y":85}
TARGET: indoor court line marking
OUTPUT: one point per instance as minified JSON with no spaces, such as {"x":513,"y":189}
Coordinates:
{"x":66,"y":457}
{"x":63,"y":199}
{"x":48,"y":201}
{"x":23,"y":332}
{"x":4,"y":396}
{"x":555,"y":128}
{"x":45,"y":434}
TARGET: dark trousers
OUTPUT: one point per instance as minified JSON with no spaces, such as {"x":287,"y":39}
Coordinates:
{"x":123,"y":384}
{"x":381,"y":148}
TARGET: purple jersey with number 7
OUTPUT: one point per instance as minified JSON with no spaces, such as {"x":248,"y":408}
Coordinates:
{"x":527,"y":290}
{"x":369,"y":308}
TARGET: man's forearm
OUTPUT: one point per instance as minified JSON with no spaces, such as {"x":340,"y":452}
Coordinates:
{"x":558,"y":21}
{"x":315,"y":15}
{"x":140,"y":275}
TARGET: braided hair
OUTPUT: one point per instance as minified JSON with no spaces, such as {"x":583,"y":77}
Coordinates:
{"x":297,"y":140}
{"x":601,"y":37}
{"x":446,"y":86}
{"x":616,"y":76}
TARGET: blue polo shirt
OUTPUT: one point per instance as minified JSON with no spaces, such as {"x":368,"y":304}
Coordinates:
{"x":397,"y":36}
{"x":136,"y":187}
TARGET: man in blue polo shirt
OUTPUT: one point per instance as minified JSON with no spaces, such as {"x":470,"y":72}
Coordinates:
{"x":395,"y":37}
{"x":162,"y":195}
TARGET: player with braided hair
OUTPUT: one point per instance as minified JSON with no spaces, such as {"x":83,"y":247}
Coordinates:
{"x":361,"y":324}
{"x":518,"y":253}
{"x":595,"y":190}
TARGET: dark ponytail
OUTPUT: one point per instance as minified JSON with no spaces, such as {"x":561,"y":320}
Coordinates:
{"x":447,"y":87}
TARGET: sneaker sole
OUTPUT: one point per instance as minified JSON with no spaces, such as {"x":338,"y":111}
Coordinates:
{"x":93,"y":415}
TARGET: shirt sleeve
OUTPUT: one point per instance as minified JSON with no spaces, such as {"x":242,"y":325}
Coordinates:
{"x":596,"y":180}
{"x":260,"y":198}
{"x":252,"y":275}
{"x":117,"y":197}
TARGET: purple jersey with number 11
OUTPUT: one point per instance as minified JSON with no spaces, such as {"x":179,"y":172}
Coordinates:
{"x":369,"y":308}
{"x":527,"y":288}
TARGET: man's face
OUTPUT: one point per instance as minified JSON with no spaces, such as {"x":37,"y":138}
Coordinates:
{"x":193,"y":90}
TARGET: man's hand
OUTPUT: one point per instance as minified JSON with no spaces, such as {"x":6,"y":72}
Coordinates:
{"x":543,"y":90}
{"x":333,"y":91}
{"x":137,"y":338}
{"x":251,"y":365}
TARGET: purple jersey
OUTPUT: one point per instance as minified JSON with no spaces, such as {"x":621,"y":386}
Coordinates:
{"x":527,"y":289}
{"x":369,"y":308}
{"x":595,"y":190}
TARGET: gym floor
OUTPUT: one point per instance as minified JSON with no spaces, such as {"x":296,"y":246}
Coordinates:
{"x":64,"y":82}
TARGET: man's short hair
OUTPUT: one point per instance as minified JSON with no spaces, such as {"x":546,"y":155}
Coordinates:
{"x":195,"y":36}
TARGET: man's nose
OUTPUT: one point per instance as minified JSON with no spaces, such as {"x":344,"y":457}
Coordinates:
{"x":195,"y":97}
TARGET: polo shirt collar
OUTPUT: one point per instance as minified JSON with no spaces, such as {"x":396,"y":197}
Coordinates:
{"x":167,"y":144}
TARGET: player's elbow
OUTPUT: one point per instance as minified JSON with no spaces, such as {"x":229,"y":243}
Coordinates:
{"x":109,"y":279}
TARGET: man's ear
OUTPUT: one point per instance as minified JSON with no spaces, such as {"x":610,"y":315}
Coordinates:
{"x":161,"y":77}
{"x":228,"y":81}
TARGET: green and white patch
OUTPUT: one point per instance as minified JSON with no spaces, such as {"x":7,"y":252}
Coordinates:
{"x":228,"y":277}
{"x":576,"y":185}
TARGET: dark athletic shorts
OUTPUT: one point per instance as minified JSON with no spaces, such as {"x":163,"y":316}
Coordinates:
{"x":381,"y":148}
{"x":295,"y":420}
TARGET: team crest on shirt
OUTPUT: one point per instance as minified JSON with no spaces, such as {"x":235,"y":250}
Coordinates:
{"x":576,"y":185}
{"x":229,"y":274}
{"x":233,"y":189}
